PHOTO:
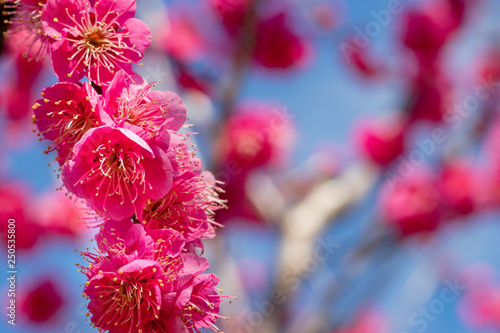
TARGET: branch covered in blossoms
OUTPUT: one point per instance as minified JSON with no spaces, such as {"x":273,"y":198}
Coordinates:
{"x":119,"y":149}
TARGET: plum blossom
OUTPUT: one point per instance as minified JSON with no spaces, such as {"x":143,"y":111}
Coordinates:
{"x":17,"y":94}
{"x":232,"y":13}
{"x":426,"y":30}
{"x":190,"y":205}
{"x":94,"y":39}
{"x":124,"y":300}
{"x":66,"y":112}
{"x":46,"y":291}
{"x":277,"y":45}
{"x":187,"y":208}
{"x":202,"y":309}
{"x":145,"y":275}
{"x":382,"y":142}
{"x":117,"y":171}
{"x":255,"y":135}
{"x":456,"y":184}
{"x":130,"y":103}
{"x":478,"y":307}
{"x":121,"y":155}
{"x":412,"y":205}
{"x":182,"y":40}
{"x":27,"y":28}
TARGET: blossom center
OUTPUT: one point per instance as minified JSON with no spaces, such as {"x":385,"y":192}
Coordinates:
{"x":117,"y":171}
{"x":95,"y":40}
{"x":120,"y":163}
{"x":129,"y":295}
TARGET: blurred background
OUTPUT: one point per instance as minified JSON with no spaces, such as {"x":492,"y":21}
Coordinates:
{"x":358,"y":145}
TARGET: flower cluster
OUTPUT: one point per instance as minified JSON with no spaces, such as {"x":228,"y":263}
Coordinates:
{"x":148,"y":282}
{"x":119,"y":149}
{"x":424,"y":202}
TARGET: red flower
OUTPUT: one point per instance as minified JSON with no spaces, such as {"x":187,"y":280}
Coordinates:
{"x":42,"y":301}
{"x":117,"y":172}
{"x":94,"y":39}
{"x":277,"y":45}
{"x":382,"y":142}
{"x":412,"y":205}
{"x":255,"y":135}
{"x":66,"y":112}
{"x":457,"y":188}
{"x":232,"y":13}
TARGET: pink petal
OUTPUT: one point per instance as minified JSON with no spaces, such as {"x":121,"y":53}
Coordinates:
{"x":60,"y":51}
{"x":124,"y":8}
{"x":193,"y":264}
{"x":56,"y":9}
{"x":139,"y":35}
{"x":159,"y":175}
{"x":176,"y":110}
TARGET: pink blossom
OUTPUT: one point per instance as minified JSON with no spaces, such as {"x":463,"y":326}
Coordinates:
{"x":479,"y":307}
{"x":66,"y":112}
{"x":134,"y":106}
{"x":411,"y":205}
{"x":190,"y":302}
{"x":122,"y":242}
{"x":183,"y":40}
{"x":255,"y":135}
{"x":277,"y":45}
{"x":457,"y":188}
{"x":131,"y":264}
{"x":38,"y":216}
{"x":125,"y":300}
{"x":117,"y":172}
{"x":431,"y":97}
{"x":202,"y":309}
{"x":232,"y":13}
{"x":188,"y":207}
{"x":424,"y":35}
{"x":44,"y":291}
{"x":58,"y":216}
{"x":124,"y":238}
{"x":26,"y":28}
{"x":428,"y":29}
{"x":185,"y":289}
{"x":382,"y":142}
{"x":94,"y":39}
{"x":18,"y":103}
